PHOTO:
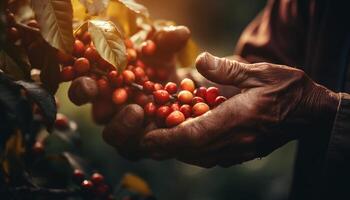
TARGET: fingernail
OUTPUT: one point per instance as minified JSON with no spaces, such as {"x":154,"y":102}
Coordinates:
{"x":206,"y":61}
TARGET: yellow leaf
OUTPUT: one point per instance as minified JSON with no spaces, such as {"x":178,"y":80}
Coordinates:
{"x":136,"y":184}
{"x":79,"y":11}
{"x":187,"y":56}
{"x":55,"y":20}
{"x":109,"y":42}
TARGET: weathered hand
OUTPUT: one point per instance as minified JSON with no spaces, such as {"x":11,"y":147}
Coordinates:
{"x":276,"y":105}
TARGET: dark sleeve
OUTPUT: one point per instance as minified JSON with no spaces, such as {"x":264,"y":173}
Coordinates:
{"x":276,"y":35}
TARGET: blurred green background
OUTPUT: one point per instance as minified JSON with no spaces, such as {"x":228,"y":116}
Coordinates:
{"x":216,"y":26}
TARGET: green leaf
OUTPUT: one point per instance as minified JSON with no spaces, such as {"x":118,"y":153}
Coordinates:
{"x":10,"y":67}
{"x":109,"y":42}
{"x":55,"y":20}
{"x":42,"y":98}
{"x":135,"y":7}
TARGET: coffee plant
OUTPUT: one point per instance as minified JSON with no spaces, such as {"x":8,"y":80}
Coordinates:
{"x":110,"y":46}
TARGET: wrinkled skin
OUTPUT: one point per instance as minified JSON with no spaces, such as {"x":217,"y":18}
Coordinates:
{"x":276,"y":105}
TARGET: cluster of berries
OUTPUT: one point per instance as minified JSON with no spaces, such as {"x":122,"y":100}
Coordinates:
{"x":168,"y":104}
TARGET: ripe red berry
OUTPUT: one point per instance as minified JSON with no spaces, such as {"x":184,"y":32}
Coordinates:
{"x":187,"y":84}
{"x":97,"y":178}
{"x":139,"y":63}
{"x":186,"y":110}
{"x":175,"y":118}
{"x":163,"y":112}
{"x":161,"y":97}
{"x":87,"y":184}
{"x":200,"y":109}
{"x":129,"y":76}
{"x":86,"y":38}
{"x":185,"y":97}
{"x":91,"y":54}
{"x":175,"y":106}
{"x":219,"y":100}
{"x":67,"y":74}
{"x":139,"y":73}
{"x":212,"y":93}
{"x":141,"y":99}
{"x":13,"y":34}
{"x":196,"y":100}
{"x":38,"y":148}
{"x":148,"y":48}
{"x":82,"y":66}
{"x":130,"y":91}
{"x":104,"y":65}
{"x":148,"y":87}
{"x":171,"y":87}
{"x":64,"y":59}
{"x":201,"y":92}
{"x":131,"y":55}
{"x":150,"y":72}
{"x":120,"y":96}
{"x":78,"y":48}
{"x":150,"y":109}
{"x":158,"y":86}
{"x":104,"y":89}
{"x":61,"y":122}
{"x":78,"y":175}
{"x":33,"y":23}
{"x":113,"y":77}
{"x":128,"y":43}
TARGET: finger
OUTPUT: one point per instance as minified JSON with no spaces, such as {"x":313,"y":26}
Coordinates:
{"x":83,"y":90}
{"x":125,"y":126}
{"x":228,"y":72}
{"x":171,"y":39}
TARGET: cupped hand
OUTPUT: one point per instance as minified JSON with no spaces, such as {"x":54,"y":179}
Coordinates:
{"x":276,"y":105}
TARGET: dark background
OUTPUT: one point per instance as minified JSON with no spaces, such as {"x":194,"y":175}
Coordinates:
{"x":216,"y":26}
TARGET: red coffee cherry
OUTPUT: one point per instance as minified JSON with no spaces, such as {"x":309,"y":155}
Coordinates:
{"x":128,"y":43}
{"x":161,"y":97}
{"x":78,"y":175}
{"x":113,"y":77}
{"x":130,"y":91}
{"x":91,"y":54}
{"x":185,"y":97}
{"x":86,"y":38}
{"x":120,"y":96}
{"x":87,"y":184}
{"x":186,"y":110}
{"x":82,"y":66}
{"x":201,"y":92}
{"x":61,"y":122}
{"x":128,"y":76}
{"x":104,"y":65}
{"x":196,"y":100}
{"x":148,"y":48}
{"x":171,"y":87}
{"x":163,"y":112}
{"x":175,"y":118}
{"x":219,"y":100}
{"x":78,"y":48}
{"x":64,"y":59}
{"x":158,"y":86}
{"x":200,"y":109}
{"x":141,"y":99}
{"x":175,"y":106}
{"x":33,"y":23}
{"x":104,"y":89}
{"x":139,"y":73}
{"x":212,"y":93}
{"x":187,"y":84}
{"x":13,"y":34}
{"x":97,"y":178}
{"x":131,"y":55}
{"x":150,"y":72}
{"x":148,"y":87}
{"x":150,"y":109}
{"x":67,"y":74}
{"x":139,"y":63}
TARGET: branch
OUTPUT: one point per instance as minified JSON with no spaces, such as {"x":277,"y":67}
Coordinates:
{"x":24,"y":190}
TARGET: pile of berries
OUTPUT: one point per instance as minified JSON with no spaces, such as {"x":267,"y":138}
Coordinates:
{"x":168,"y":105}
{"x":95,"y":186}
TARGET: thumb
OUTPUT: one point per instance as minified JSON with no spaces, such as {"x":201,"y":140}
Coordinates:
{"x":226,"y":72}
